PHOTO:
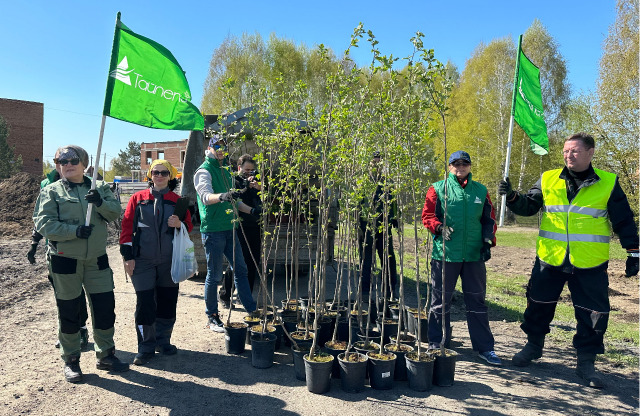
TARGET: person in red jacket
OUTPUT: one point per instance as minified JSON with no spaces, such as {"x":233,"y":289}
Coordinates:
{"x":146,"y":244}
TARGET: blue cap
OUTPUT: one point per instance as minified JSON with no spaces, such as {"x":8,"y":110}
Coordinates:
{"x":459,"y":155}
{"x":215,"y":139}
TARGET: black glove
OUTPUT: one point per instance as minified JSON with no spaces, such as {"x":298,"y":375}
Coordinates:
{"x":485,"y":251}
{"x":256,"y":211}
{"x":394,"y":223}
{"x":633,"y":263}
{"x":31,"y":254}
{"x":93,"y":197}
{"x":84,"y":231}
{"x":504,"y":188}
{"x":230,"y":196}
{"x":446,"y":232}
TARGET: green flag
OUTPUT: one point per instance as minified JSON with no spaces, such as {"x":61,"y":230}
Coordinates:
{"x":147,"y":86}
{"x":527,"y":104}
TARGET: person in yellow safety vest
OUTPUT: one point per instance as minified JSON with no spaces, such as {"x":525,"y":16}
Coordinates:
{"x":581,"y":205}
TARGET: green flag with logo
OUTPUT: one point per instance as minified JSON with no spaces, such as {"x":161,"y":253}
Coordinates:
{"x":147,"y":86}
{"x":527,"y":104}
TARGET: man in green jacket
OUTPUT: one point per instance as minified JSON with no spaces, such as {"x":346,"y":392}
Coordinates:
{"x":217,"y":204}
{"x":78,"y":259}
{"x":463,"y":244}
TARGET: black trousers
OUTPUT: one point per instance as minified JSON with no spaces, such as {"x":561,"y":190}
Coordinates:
{"x":367,"y":238}
{"x":250,"y":245}
{"x":474,"y":286}
{"x":589,"y":293}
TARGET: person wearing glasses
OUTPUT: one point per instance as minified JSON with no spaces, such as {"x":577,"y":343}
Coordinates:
{"x":462,"y":246}
{"x":50,"y":178}
{"x":581,"y":206}
{"x":250,"y":227}
{"x":77,"y":257}
{"x":218,"y":205}
{"x":146,"y":245}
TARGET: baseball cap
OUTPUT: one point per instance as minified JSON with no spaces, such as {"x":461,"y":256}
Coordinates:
{"x":459,"y":155}
{"x":215,"y":139}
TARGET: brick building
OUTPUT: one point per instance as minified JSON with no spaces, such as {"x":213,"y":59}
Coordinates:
{"x":173,"y":152}
{"x":25,"y":120}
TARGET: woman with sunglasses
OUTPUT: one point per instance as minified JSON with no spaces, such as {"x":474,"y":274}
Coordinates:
{"x":77,"y":257}
{"x":146,"y":244}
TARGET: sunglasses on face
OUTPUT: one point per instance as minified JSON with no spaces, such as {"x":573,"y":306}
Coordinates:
{"x":63,"y":162}
{"x":460,"y":164}
{"x":163,"y":173}
{"x":219,"y":147}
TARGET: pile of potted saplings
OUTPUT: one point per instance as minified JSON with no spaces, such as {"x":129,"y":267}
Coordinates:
{"x":371,"y":331}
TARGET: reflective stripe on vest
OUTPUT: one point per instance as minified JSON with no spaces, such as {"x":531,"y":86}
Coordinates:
{"x":581,"y":227}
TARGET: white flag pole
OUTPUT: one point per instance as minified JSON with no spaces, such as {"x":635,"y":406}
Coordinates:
{"x":503,"y":204}
{"x":95,"y":169}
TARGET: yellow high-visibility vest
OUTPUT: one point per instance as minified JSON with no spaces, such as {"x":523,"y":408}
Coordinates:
{"x":580,"y":227}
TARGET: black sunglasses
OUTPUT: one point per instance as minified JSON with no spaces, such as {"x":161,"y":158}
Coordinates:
{"x":461,"y":163}
{"x":63,"y":162}
{"x":219,"y":146}
{"x":163,"y":173}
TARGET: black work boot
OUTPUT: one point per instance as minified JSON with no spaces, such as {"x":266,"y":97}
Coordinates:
{"x":531,"y":351}
{"x":112,"y":363}
{"x":72,"y":372}
{"x":84,"y":339}
{"x":587,"y":371}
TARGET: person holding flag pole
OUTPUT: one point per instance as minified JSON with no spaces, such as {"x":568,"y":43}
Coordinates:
{"x":581,"y":206}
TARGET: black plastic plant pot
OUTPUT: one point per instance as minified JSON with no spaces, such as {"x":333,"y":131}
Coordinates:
{"x":235,"y":338}
{"x":353,"y":372}
{"x":279,"y":334}
{"x":291,"y":325}
{"x":298,"y":336}
{"x":381,"y":370}
{"x":411,"y":322}
{"x":406,"y":339}
{"x":324,"y":330}
{"x":257,"y":329}
{"x":374,"y":336}
{"x":303,"y":301}
{"x":318,"y":373}
{"x":444,"y":368}
{"x":298,"y":361}
{"x":390,"y":328}
{"x":424,"y":327}
{"x":343,"y":330}
{"x":419,"y":372}
{"x":250,"y":321}
{"x":401,"y":367}
{"x":335,"y":348}
{"x":262,"y":350}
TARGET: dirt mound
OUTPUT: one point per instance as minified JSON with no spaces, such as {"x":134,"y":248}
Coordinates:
{"x":18,"y":195}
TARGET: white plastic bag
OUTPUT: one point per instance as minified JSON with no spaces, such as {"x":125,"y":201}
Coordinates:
{"x":183,"y":260}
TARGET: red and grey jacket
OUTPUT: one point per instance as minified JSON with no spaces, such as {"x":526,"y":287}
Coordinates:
{"x":145,"y":232}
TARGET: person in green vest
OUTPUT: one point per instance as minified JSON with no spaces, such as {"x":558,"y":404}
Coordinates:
{"x":218,"y":203}
{"x":50,"y":178}
{"x":581,"y":205}
{"x":462,"y":245}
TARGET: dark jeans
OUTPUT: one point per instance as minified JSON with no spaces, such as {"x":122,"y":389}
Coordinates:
{"x":250,"y":240}
{"x":366,"y":237}
{"x":474,"y":285}
{"x":589,"y":293}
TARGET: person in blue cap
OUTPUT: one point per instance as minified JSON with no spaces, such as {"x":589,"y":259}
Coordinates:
{"x":464,"y":243}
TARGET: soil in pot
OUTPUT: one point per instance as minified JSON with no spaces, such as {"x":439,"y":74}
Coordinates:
{"x":318,"y":372}
{"x":381,"y":370}
{"x":400,"y":350}
{"x":262,"y":349}
{"x":257,"y":329}
{"x":420,"y":370}
{"x":334,"y":348}
{"x":353,"y":369}
{"x":235,"y":335}
{"x":250,"y":321}
{"x":444,"y":368}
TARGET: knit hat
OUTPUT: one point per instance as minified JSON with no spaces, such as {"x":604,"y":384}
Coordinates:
{"x":173,"y":172}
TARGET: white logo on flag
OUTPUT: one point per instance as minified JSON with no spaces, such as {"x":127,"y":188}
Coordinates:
{"x":477,"y":201}
{"x":121,"y":73}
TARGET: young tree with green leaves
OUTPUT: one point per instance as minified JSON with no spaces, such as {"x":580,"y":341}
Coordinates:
{"x":127,"y":160}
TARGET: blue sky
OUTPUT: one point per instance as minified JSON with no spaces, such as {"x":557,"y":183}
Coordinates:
{"x":57,"y":52}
